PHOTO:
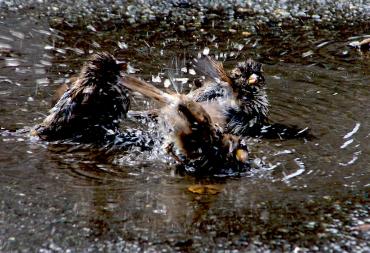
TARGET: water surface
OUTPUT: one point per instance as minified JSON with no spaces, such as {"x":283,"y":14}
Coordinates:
{"x":309,"y":195}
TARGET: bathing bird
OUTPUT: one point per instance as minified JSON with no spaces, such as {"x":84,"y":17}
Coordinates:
{"x":91,"y":109}
{"x":191,"y":136}
{"x":238,"y":101}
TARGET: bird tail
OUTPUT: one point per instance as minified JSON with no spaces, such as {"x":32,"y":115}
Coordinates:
{"x":147,"y":89}
{"x":194,"y":113}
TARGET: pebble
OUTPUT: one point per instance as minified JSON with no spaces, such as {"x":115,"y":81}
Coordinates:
{"x":182,"y":28}
{"x":197,"y":11}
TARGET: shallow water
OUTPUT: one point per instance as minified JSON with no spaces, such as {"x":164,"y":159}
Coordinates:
{"x":309,"y":195}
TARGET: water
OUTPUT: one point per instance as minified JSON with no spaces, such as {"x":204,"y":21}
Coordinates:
{"x":309,"y":195}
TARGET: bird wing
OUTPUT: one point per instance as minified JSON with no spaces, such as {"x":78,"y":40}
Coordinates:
{"x":212,"y":68}
{"x":67,"y":108}
{"x":148,"y":90}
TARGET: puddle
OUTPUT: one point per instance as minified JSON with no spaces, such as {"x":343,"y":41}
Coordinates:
{"x":309,"y":195}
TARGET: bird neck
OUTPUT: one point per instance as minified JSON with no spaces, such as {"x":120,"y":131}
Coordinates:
{"x":254,"y":100}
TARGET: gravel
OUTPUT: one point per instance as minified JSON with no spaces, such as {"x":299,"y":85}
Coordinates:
{"x":193,"y":13}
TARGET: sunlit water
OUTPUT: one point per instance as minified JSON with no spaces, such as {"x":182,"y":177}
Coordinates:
{"x":300,"y":195}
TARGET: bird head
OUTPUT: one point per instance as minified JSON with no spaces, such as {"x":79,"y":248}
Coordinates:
{"x":103,"y":68}
{"x":248,"y":75}
{"x":236,"y":147}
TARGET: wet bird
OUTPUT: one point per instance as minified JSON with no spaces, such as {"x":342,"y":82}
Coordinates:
{"x":238,"y":101}
{"x":192,"y":137}
{"x":91,"y":109}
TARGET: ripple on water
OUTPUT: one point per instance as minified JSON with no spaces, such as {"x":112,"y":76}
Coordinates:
{"x":80,"y":198}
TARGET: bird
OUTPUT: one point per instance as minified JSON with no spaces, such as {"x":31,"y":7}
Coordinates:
{"x":238,"y":100}
{"x":91,"y":109}
{"x":191,"y":136}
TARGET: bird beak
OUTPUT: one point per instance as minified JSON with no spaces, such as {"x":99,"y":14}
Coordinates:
{"x":122,"y":64}
{"x":241,"y":155}
{"x":252,"y":79}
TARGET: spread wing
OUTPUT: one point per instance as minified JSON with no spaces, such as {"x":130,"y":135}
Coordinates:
{"x":211,"y":68}
{"x":63,"y":116}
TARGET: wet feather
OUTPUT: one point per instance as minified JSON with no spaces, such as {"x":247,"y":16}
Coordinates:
{"x":91,"y":107}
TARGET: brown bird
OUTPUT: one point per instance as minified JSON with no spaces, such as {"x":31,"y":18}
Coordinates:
{"x":192,"y":138}
{"x":91,"y":109}
{"x":238,"y":101}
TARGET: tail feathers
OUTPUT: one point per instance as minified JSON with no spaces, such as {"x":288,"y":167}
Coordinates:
{"x":211,"y":68}
{"x":147,"y":89}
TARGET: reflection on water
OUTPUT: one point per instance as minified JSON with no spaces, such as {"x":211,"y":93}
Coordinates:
{"x":300,"y":195}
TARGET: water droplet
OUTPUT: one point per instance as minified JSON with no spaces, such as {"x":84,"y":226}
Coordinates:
{"x":131,"y":69}
{"x":40,"y":71}
{"x":323,"y":44}
{"x":345,"y":144}
{"x":192,"y":72}
{"x":5,"y":46}
{"x":182,"y":80}
{"x":122,"y":45}
{"x":167,"y":83}
{"x":6,"y":38}
{"x":91,"y":28}
{"x":44,"y":32}
{"x":308,"y":53}
{"x":95,"y":44}
{"x":206,"y":51}
{"x":42,"y":81}
{"x":239,"y":46}
{"x":46,"y":63}
{"x":48,"y":47}
{"x":156,"y":79}
{"x":16,"y":34}
{"x":60,"y":50}
{"x":12,"y":62}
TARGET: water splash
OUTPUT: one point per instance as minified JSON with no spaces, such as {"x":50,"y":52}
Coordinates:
{"x":346,"y":144}
{"x":297,"y":173}
{"x":354,"y":130}
{"x":353,"y":160}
